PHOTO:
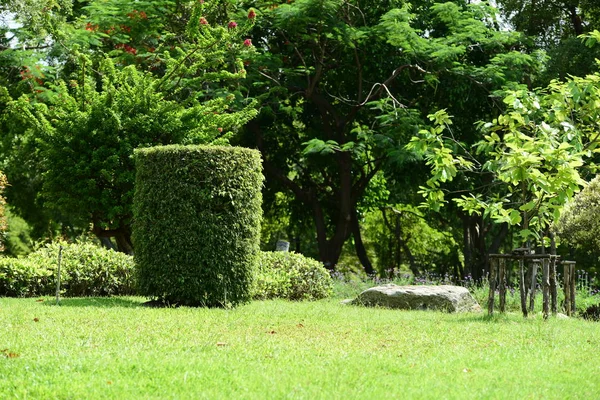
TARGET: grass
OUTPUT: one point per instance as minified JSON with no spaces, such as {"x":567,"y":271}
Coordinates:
{"x":99,"y":348}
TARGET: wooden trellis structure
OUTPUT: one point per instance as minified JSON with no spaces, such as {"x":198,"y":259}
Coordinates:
{"x":529,"y":264}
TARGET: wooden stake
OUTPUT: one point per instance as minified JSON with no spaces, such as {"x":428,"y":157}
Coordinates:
{"x":492,"y":279}
{"x":533,"y":283}
{"x":553,"y":289}
{"x":58,"y":275}
{"x":522,"y":289}
{"x":573,"y":283}
{"x":567,"y":287}
{"x":546,"y":287}
{"x":502,"y":283}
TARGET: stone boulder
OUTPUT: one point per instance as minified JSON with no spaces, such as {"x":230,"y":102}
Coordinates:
{"x":419,"y":297}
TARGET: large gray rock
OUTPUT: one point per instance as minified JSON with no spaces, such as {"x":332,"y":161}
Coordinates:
{"x":419,"y":297}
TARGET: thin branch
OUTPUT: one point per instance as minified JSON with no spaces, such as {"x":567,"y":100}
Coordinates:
{"x":269,"y":77}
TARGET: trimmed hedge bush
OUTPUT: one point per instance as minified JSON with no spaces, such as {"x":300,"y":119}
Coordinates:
{"x":86,"y":270}
{"x":290,"y":276}
{"x":197,"y":215}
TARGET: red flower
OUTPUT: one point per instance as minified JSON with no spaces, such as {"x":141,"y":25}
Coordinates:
{"x":247,"y":42}
{"x":203,"y":21}
{"x":232,"y":25}
{"x":251,"y":14}
{"x":127,"y":48}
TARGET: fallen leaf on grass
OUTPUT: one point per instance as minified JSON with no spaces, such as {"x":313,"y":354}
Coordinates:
{"x":221,"y":344}
{"x":109,"y":382}
{"x":39,"y":300}
{"x":300,"y":326}
{"x":36,"y":319}
{"x":9,"y":354}
{"x":271,"y":332}
{"x":467,"y":370}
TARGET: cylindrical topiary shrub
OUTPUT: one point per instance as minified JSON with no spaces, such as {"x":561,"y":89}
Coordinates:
{"x":197,"y":215}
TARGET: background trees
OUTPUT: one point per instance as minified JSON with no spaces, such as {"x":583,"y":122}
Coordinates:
{"x":343,"y":86}
{"x":339,"y":88}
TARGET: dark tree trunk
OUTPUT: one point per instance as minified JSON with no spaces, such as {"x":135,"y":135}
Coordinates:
{"x":122,"y":237}
{"x":361,"y":252}
{"x":576,"y":21}
{"x":476,"y":251}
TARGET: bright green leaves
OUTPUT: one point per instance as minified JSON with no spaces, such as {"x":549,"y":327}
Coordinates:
{"x":318,"y":146}
{"x":591,"y":39}
{"x":397,"y":26}
{"x":533,"y":153}
{"x":81,"y":134}
{"x":438,"y":152}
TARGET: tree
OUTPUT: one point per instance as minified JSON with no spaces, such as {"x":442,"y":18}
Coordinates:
{"x":78,"y":133}
{"x":534,"y":154}
{"x":343,"y":85}
{"x":555,"y":25}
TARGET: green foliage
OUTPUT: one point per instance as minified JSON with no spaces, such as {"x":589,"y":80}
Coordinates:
{"x":578,"y":224}
{"x":197,"y":223}
{"x":290,"y":276}
{"x":401,"y":240}
{"x":86,"y":270}
{"x":3,"y":212}
{"x":21,"y":277}
{"x":342,"y":97}
{"x":534,"y":154}
{"x":72,"y":133}
{"x":18,"y":236}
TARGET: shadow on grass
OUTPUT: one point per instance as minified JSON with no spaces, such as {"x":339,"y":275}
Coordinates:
{"x":101,"y":302}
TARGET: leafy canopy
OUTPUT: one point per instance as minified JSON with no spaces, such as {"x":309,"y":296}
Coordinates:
{"x":533,"y":155}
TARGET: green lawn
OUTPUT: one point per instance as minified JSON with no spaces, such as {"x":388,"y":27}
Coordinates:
{"x":113,"y":348}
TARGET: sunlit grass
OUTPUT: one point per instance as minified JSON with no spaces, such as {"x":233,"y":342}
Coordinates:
{"x":114,"y":348}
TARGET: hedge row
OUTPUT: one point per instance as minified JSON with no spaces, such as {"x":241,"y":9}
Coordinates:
{"x":86,"y":270}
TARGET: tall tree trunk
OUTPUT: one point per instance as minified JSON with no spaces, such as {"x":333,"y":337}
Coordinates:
{"x":576,"y":21}
{"x":359,"y":246}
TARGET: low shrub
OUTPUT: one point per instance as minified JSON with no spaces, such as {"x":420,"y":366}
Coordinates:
{"x":20,"y":277}
{"x":86,"y":270}
{"x":290,"y":276}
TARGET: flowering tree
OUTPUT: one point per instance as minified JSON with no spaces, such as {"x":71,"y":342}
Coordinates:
{"x":77,"y":134}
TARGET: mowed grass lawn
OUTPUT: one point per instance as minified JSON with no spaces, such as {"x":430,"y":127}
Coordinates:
{"x":113,"y":348}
